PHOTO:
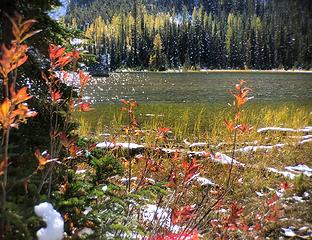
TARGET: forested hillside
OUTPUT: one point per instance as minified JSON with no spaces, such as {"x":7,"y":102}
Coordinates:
{"x":195,"y":34}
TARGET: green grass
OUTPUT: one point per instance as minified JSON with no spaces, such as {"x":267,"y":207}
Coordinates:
{"x":193,"y":121}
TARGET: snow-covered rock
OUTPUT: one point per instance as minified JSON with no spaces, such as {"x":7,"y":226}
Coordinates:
{"x":54,"y":221}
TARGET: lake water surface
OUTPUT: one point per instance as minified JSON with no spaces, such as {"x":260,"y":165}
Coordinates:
{"x":200,"y":87}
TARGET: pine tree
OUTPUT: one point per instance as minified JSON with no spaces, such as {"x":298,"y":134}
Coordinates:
{"x":158,"y":59}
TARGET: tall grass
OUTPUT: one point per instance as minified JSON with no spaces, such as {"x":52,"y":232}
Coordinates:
{"x":196,"y":122}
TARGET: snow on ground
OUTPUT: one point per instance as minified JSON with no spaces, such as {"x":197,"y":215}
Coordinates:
{"x":225,"y":159}
{"x":304,"y":169}
{"x":259,"y":148}
{"x":123,"y":145}
{"x":279,"y":129}
{"x":154,"y":214}
{"x":293,"y":233}
{"x":288,"y":232}
{"x":293,"y":171}
{"x":303,"y":140}
{"x":284,"y":173}
{"x":205,"y":181}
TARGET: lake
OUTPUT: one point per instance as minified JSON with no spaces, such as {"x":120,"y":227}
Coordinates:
{"x":200,"y":87}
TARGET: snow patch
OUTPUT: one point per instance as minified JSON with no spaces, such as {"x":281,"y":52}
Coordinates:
{"x":288,"y":232}
{"x":224,"y":159}
{"x":152,"y":213}
{"x":123,"y":145}
{"x":259,"y":148}
{"x":284,"y":173}
{"x":304,"y":169}
{"x":205,"y":181}
{"x":126,"y":180}
{"x":85,"y":232}
{"x":198,"y":144}
{"x":279,"y":129}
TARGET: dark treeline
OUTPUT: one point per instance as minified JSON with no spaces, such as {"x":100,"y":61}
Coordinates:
{"x":212,"y":34}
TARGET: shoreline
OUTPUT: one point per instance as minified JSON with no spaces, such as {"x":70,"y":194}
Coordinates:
{"x":215,"y":71}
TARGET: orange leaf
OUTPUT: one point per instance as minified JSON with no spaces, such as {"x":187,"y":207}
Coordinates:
{"x":241,"y":82}
{"x":28,"y":35}
{"x":62,"y":61}
{"x":65,"y":141}
{"x":5,"y":108}
{"x":84,"y":78}
{"x":163,"y":130}
{"x":240,"y":100}
{"x":21,"y":96}
{"x":272,"y":200}
{"x":258,"y":227}
{"x":91,"y":147}
{"x":12,"y":57}
{"x":73,"y":150}
{"x":3,"y":166}
{"x":64,"y":187}
{"x":172,"y":178}
{"x":26,"y":25}
{"x":230,"y":126}
{"x":42,"y":159}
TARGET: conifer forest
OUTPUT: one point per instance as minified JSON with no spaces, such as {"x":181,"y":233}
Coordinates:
{"x":211,"y":34}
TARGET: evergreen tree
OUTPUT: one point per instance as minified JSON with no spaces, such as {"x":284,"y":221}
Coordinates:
{"x":157,"y":59}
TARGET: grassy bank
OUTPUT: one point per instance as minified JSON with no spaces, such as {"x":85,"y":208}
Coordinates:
{"x":194,"y":121}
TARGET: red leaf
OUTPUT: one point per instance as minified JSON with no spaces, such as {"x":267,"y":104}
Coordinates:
{"x":172,"y":178}
{"x":76,"y":54}
{"x":190,"y":169}
{"x":180,"y":215}
{"x":177,"y":236}
{"x":85,"y":107}
{"x":55,"y":52}
{"x":244,"y":128}
{"x":230,"y":126}
{"x":56,"y":95}
{"x":272,"y":200}
{"x":124,"y":101}
{"x":285,"y":185}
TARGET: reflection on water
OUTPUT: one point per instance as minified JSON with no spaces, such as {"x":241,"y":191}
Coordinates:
{"x":199,"y":87}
